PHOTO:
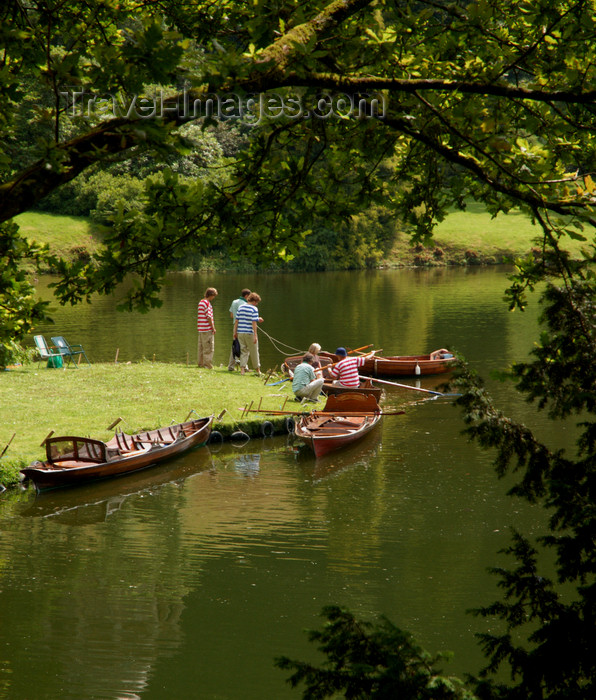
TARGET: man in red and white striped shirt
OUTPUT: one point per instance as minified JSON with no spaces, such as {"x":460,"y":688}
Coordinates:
{"x":346,"y":370}
{"x":206,"y":328}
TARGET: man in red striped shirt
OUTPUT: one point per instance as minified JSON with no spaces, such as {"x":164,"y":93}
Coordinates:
{"x":206,"y":328}
{"x":346,"y":370}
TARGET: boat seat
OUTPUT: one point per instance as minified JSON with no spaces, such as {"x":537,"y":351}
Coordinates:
{"x":328,"y":423}
{"x":333,"y":431}
{"x":66,"y":464}
{"x":141,"y":448}
{"x":325,"y":428}
{"x":123,"y":444}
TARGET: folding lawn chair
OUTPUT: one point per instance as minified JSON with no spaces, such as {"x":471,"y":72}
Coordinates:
{"x":69,"y":351}
{"x":52,"y":356}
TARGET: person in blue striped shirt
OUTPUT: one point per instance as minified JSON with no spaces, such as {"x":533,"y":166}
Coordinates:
{"x":245,"y":329}
{"x":236,"y":304}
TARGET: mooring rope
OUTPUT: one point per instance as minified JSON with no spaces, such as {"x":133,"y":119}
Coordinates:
{"x":275,"y":340}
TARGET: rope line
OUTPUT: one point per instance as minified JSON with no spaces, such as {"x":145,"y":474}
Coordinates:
{"x":276,"y":340}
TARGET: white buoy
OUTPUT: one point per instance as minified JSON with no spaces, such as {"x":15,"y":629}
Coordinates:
{"x":417,"y":370}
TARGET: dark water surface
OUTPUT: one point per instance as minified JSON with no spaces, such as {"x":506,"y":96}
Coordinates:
{"x":186,"y":581}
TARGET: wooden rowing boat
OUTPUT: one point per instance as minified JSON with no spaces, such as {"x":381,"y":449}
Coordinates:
{"x":345,"y":419}
{"x":325,"y":358}
{"x":73,"y":460}
{"x":406,"y":366}
{"x":390,"y":366}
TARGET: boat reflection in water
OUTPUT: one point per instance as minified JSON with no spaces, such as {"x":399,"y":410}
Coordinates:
{"x":96,"y":502}
{"x":334,"y":463}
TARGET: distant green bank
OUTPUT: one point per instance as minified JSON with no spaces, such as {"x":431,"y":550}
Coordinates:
{"x":35,"y":400}
{"x":473,"y":237}
{"x":464,"y":238}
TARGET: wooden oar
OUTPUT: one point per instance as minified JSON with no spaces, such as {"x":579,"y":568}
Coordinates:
{"x":362,"y":348}
{"x":365,"y":353}
{"x":7,"y":446}
{"x":407,"y":386}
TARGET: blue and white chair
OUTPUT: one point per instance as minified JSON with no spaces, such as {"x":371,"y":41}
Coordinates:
{"x":45,"y":353}
{"x":69,"y":352}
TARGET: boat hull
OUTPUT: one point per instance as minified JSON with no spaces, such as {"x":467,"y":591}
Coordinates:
{"x":406,"y":366}
{"x":102,"y":460}
{"x":390,"y":366}
{"x":346,"y":419}
{"x":365,"y":388}
{"x":338,"y":436}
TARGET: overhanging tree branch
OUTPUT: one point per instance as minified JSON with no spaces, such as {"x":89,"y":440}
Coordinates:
{"x":349,"y":84}
{"x":72,"y":157}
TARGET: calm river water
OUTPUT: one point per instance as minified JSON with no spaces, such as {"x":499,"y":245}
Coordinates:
{"x":187,"y":580}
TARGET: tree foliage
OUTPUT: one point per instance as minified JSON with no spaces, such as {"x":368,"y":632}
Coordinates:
{"x":549,"y":631}
{"x":413,"y":105}
{"x":483,"y":100}
{"x":20,"y":310}
{"x":366,"y":661}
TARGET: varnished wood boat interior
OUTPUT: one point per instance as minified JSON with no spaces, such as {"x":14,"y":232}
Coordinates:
{"x":72,"y":452}
{"x":335,"y":425}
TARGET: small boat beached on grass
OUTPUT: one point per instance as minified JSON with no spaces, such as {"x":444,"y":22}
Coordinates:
{"x":345,"y":419}
{"x":73,"y":460}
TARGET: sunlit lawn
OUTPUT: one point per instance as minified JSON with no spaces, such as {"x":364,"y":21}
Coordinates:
{"x":35,"y":400}
{"x":474,"y":229}
{"x":62,"y":233}
{"x":505,"y":236}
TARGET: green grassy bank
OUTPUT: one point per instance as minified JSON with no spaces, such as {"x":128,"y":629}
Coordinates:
{"x":473,"y":237}
{"x":463,"y":238}
{"x":35,"y":400}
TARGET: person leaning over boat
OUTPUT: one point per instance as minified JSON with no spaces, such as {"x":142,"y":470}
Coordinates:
{"x":206,"y":328}
{"x":305,"y":384}
{"x":441,"y":354}
{"x":245,"y":329}
{"x":346,"y":370}
{"x":236,"y":304}
{"x":314,"y":350}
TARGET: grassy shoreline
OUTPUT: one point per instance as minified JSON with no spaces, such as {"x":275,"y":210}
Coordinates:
{"x":471,"y":237}
{"x":35,"y":400}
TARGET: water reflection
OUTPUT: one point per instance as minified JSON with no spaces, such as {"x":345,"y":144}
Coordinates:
{"x":352,"y":457}
{"x":159,"y":579}
{"x":188,"y":579}
{"x":96,"y":502}
{"x":400,"y":311}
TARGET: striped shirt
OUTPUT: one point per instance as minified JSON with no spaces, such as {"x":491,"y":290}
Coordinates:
{"x":347,"y":370}
{"x":205,"y":316}
{"x":236,"y":304}
{"x":246,"y":314}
